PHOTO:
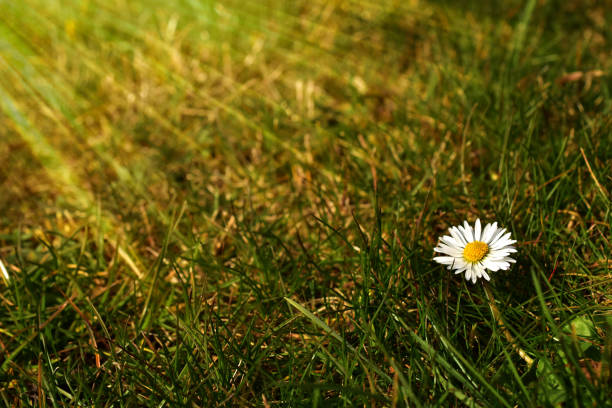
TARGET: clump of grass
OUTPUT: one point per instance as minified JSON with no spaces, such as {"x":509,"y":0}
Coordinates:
{"x":236,"y":203}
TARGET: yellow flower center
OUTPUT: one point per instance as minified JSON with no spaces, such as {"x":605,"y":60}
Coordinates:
{"x":475,"y":251}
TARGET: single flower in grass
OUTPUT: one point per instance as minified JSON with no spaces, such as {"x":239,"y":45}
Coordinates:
{"x":474,"y":250}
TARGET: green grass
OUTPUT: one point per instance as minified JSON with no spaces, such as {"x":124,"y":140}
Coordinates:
{"x":235,"y":203}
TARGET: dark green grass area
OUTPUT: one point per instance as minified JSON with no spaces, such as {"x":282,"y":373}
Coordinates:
{"x":235,"y":203}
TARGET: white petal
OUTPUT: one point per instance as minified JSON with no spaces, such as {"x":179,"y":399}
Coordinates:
{"x":502,"y":247}
{"x":474,"y":272}
{"x":4,"y":272}
{"x":478,"y":270}
{"x":499,"y":265}
{"x":469,"y":231}
{"x":452,"y":242}
{"x":464,"y":234}
{"x":477,"y":230}
{"x":451,"y":252}
{"x":500,"y":253}
{"x":461,"y":269}
{"x":509,"y":249}
{"x":444,"y":260}
{"x":454,"y":231}
{"x":498,"y":258}
{"x":445,"y":249}
{"x":485,"y":231}
{"x":485,"y":275}
{"x":440,"y":245}
{"x":497,"y":236}
{"x":486,"y":238}
{"x":496,"y":264}
{"x":490,"y":265}
{"x":460,"y":263}
{"x":502,"y":242}
{"x":468,"y":274}
{"x":506,"y":238}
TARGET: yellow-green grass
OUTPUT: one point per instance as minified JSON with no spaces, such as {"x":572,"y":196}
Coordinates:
{"x":235,"y":203}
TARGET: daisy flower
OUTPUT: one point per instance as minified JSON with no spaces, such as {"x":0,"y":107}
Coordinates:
{"x":474,"y":250}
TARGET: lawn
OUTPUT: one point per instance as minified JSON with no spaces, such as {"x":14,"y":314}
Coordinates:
{"x":235,"y":203}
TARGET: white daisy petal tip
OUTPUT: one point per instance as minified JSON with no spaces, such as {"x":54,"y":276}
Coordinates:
{"x":4,"y":271}
{"x":473,"y":250}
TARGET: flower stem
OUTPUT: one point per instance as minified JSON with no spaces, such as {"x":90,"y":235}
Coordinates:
{"x":503,"y":328}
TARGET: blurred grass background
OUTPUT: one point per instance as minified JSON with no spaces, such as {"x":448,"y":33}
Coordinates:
{"x":171,"y":172}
